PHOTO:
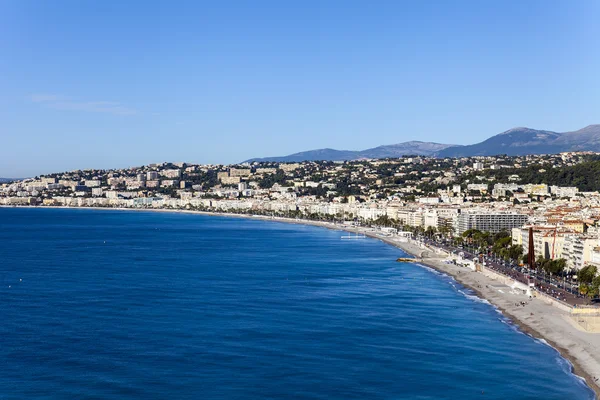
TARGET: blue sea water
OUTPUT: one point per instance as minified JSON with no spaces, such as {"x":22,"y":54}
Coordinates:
{"x":99,"y":304}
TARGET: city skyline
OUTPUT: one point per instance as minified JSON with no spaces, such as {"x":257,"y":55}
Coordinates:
{"x":113,"y":85}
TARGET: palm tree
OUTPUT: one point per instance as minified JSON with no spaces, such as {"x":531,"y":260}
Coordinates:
{"x":430,"y":231}
{"x":584,"y":289}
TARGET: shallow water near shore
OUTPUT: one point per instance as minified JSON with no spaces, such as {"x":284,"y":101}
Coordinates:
{"x":117,"y":304}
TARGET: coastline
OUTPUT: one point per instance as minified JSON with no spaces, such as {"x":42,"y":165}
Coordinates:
{"x":553,"y":326}
{"x":537,"y":319}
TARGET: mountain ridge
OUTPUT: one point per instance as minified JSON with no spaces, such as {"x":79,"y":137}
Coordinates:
{"x":514,"y":142}
{"x":386,"y":151}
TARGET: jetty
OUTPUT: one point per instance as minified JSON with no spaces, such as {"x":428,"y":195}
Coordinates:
{"x":406,"y":259}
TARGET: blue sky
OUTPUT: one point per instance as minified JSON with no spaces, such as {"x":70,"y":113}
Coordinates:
{"x":102,"y":84}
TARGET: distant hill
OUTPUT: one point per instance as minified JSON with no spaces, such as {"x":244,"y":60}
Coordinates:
{"x":406,"y":148}
{"x":521,"y":141}
{"x":313,"y":155}
{"x":5,"y":180}
{"x":394,"y":150}
{"x":586,"y":139}
{"x":514,"y":142}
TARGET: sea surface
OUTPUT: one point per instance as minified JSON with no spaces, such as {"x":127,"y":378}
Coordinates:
{"x":98,"y":304}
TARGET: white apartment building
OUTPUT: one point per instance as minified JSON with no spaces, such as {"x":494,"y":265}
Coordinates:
{"x":489,"y":222}
{"x":368,"y":213}
{"x":577,"y":250}
{"x":564,"y":191}
{"x":501,"y":189}
{"x":430,"y":219}
{"x":429,"y":200}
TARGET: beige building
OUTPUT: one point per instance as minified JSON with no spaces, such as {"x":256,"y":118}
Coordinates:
{"x":576,"y":248}
{"x":152,"y":184}
{"x":221,"y":175}
{"x":574,"y":225}
{"x":230,"y":180}
{"x":538,"y":190}
{"x":265,"y":171}
{"x":171,"y":173}
{"x":289,"y":167}
{"x":239,"y":172}
{"x":168,"y":183}
{"x":93,"y":183}
{"x":46,"y":181}
{"x":543,"y":238}
{"x":410,"y":217}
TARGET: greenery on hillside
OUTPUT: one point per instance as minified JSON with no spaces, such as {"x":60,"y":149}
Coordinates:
{"x":269,"y":180}
{"x":585,"y":176}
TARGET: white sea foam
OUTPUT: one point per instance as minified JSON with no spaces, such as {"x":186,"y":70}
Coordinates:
{"x":451,"y":280}
{"x":476,"y":299}
{"x":510,"y":324}
{"x":566,"y":365}
{"x":433,"y":270}
{"x":544,"y":342}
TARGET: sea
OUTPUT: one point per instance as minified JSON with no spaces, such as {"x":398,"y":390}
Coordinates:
{"x":107,"y":304}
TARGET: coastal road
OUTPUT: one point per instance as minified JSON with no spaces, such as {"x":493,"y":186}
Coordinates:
{"x":549,"y":286}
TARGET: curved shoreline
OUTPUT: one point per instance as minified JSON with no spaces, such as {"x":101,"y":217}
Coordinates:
{"x":522,"y":325}
{"x":525,"y":329}
{"x":461,"y":275}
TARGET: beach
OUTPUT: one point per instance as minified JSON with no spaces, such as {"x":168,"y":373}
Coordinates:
{"x":536,"y":317}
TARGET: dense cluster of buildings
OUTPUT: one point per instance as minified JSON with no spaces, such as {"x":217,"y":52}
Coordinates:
{"x":449,"y":195}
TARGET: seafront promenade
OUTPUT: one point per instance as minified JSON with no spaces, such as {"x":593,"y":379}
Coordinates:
{"x":557,"y":290}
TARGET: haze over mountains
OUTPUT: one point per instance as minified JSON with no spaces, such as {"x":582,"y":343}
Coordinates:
{"x":516,"y":141}
{"x":393,"y":150}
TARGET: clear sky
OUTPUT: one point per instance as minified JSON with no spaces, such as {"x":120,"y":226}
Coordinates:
{"x":102,"y":84}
